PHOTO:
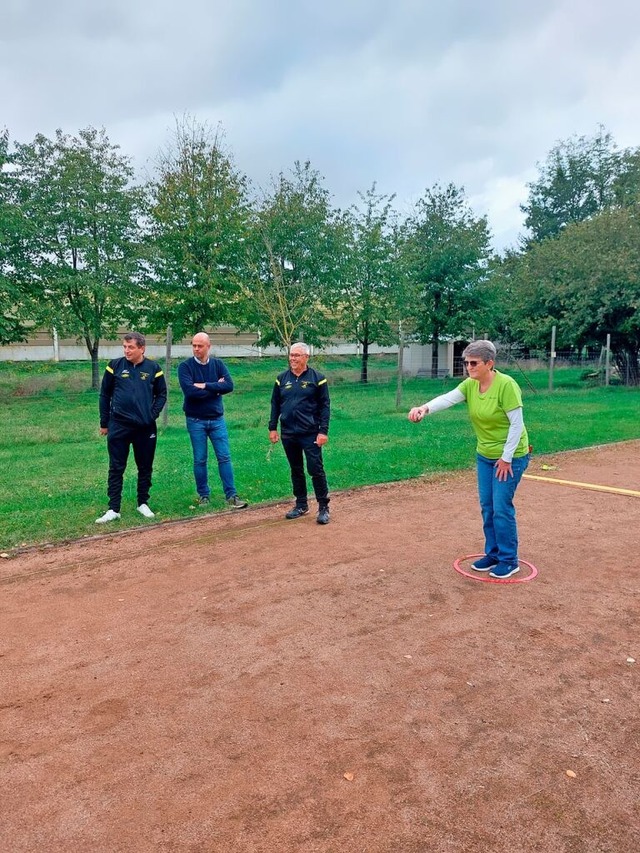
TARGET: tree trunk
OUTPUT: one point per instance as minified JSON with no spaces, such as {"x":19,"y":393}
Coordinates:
{"x":364,"y":363}
{"x":435,"y":337}
{"x":167,"y":373}
{"x":94,"y":348}
{"x":435,"y":342}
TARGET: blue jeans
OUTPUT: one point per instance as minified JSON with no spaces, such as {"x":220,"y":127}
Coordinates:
{"x":200,"y":432}
{"x":498,"y":511}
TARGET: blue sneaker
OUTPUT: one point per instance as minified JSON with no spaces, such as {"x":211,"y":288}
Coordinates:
{"x":483,"y":564}
{"x":503,"y":570}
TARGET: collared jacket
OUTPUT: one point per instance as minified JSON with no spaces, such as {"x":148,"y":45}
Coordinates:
{"x":301,"y":403}
{"x":132,"y":394}
{"x":205,"y":403}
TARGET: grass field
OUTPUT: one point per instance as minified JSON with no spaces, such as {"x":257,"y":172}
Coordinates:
{"x":53,"y":462}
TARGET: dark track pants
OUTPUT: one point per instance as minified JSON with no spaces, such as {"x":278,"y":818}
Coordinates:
{"x":294,"y":447}
{"x":119,"y":439}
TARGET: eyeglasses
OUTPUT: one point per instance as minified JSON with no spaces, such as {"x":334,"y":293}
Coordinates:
{"x":471,"y":363}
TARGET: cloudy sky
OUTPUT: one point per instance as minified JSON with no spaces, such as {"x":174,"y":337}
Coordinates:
{"x":405,"y":93}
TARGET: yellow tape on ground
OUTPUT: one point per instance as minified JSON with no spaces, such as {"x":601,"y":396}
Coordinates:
{"x":612,"y":489}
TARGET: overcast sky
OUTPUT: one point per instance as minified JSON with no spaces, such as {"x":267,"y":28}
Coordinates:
{"x":406,"y":93}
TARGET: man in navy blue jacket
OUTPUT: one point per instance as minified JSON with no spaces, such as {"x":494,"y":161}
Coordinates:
{"x":204,"y":381}
{"x":300,"y":401}
{"x":132,"y":395}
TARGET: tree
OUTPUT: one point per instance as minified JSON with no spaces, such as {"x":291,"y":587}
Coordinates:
{"x":587,"y":282}
{"x":295,"y":259}
{"x":577,"y":180}
{"x":82,"y":253}
{"x":13,"y":299}
{"x":199,"y":214}
{"x":369,"y":296}
{"x":627,"y":184}
{"x":446,"y":253}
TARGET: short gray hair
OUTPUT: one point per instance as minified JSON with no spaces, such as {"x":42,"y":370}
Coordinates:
{"x":301,"y":345}
{"x":483,"y":350}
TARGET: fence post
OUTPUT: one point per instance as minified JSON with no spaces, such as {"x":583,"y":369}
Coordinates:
{"x":607,"y":366}
{"x":553,"y":357}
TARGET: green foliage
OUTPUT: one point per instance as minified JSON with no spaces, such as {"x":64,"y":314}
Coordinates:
{"x":370,"y":297}
{"x":294,"y":261}
{"x":581,"y":177}
{"x":445,"y":257}
{"x":82,"y":248}
{"x":627,"y":184}
{"x":53,"y":463}
{"x":199,"y":217}
{"x":587,"y":282}
{"x":14,"y":300}
{"x":84,"y":251}
{"x":581,"y":270}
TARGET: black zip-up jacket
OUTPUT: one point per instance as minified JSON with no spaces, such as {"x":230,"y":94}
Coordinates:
{"x":301,"y":403}
{"x":132,"y":394}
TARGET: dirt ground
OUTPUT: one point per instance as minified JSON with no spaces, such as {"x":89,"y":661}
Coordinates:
{"x":245,"y":683}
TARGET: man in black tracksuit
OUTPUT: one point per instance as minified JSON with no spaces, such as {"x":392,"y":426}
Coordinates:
{"x":300,"y":400}
{"x":132,"y":395}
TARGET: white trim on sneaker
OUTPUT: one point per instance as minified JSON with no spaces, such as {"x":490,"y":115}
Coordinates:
{"x":143,"y":509}
{"x":503,"y":571}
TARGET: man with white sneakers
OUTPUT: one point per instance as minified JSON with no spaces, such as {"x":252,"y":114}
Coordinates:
{"x":132,"y":395}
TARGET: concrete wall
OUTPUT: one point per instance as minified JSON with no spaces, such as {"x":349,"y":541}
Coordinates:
{"x":226,"y":343}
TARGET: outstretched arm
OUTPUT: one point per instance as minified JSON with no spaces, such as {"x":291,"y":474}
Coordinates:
{"x":438,"y":404}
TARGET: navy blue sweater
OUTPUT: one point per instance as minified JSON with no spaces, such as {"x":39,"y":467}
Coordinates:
{"x":205,"y":403}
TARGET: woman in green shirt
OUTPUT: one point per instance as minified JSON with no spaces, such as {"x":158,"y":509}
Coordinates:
{"x":495,"y":408}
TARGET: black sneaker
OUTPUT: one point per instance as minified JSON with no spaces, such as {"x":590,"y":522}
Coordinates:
{"x":236,"y":503}
{"x":483,"y":564}
{"x":323,"y":516}
{"x":203,"y":500}
{"x":297,"y":512}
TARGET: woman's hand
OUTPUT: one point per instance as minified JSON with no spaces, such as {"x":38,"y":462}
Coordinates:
{"x":417,"y":413}
{"x":503,"y":469}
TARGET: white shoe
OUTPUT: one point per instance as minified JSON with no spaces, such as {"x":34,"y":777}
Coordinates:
{"x":110,"y":515}
{"x":143,"y":509}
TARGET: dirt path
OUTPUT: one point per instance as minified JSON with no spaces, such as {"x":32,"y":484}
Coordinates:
{"x":209,"y":686}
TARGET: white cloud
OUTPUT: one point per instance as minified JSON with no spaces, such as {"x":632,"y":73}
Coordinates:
{"x":405,"y":94}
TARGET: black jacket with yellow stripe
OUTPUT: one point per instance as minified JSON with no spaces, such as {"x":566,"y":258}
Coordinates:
{"x":301,"y":403}
{"x":132,"y":394}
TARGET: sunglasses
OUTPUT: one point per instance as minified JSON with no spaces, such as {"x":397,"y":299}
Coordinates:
{"x":471,"y":363}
